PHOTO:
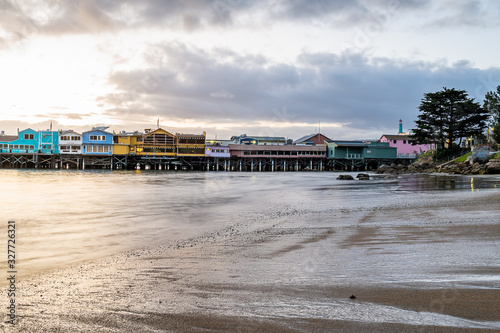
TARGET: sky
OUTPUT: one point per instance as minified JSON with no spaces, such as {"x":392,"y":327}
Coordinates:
{"x":350,"y":69}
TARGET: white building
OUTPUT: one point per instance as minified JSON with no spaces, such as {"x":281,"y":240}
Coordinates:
{"x":70,"y":142}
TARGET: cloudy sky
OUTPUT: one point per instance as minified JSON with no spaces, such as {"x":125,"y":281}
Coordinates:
{"x":229,"y":67}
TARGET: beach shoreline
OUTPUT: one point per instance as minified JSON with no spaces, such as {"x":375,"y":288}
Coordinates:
{"x":284,"y":274}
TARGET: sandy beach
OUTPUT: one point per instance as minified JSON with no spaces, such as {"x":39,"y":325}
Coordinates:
{"x":411,"y":268}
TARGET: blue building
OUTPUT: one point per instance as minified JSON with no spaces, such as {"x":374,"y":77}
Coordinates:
{"x":48,"y":142}
{"x":26,"y":142}
{"x":97,"y":142}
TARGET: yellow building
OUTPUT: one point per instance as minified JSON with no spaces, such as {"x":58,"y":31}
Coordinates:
{"x":126,"y":143}
{"x":191,"y":144}
{"x":157,"y":143}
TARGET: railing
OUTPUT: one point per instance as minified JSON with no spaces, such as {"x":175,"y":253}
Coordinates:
{"x":407,"y":155}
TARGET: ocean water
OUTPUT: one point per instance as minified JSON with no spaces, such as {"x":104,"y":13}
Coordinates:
{"x":68,"y":216}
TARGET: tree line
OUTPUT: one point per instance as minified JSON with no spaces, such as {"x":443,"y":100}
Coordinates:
{"x":449,"y":115}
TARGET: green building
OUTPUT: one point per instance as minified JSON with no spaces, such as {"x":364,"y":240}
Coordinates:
{"x":359,"y":153}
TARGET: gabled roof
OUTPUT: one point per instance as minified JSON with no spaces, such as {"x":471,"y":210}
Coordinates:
{"x":97,"y":130}
{"x":307,"y":138}
{"x":159,"y":130}
{"x":28,"y":129}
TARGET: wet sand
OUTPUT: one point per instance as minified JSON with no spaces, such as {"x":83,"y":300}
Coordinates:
{"x":291,"y":272}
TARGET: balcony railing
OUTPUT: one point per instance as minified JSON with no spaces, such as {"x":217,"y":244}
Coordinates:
{"x":401,"y":155}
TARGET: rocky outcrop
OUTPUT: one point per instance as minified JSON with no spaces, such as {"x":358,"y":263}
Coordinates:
{"x":479,"y":163}
{"x":492,"y":167}
{"x":463,"y":168}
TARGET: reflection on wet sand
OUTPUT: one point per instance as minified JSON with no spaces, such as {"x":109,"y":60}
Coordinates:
{"x":417,"y":261}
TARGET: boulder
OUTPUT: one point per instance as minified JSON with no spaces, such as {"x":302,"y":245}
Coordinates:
{"x":492,"y":167}
{"x":384,"y":168}
{"x":480,"y":154}
{"x":424,"y":162}
{"x":345,"y":177}
{"x":363,"y":176}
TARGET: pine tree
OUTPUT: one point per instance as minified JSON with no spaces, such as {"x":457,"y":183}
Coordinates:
{"x":447,"y":116}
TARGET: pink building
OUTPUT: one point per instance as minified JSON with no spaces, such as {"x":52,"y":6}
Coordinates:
{"x":402,"y":142}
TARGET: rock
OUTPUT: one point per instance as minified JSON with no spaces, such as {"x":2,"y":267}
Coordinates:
{"x":345,"y":177}
{"x":492,"y":167}
{"x":480,"y":154}
{"x":424,"y":162}
{"x":384,"y":168}
{"x":363,"y":176}
{"x":411,"y":168}
{"x":478,"y":168}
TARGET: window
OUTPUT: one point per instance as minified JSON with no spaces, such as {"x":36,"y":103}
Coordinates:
{"x":404,"y":141}
{"x":75,"y":138}
{"x":98,"y":138}
{"x":29,"y":136}
{"x":394,"y":141}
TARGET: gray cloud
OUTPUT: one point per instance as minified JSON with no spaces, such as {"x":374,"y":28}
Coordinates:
{"x":368,"y":94}
{"x":463,"y":13}
{"x":95,"y":16}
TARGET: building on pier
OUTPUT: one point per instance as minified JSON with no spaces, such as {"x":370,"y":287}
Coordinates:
{"x":29,"y":141}
{"x":244,"y":139}
{"x":48,"y":142}
{"x":190,"y":145}
{"x":5,"y":140}
{"x":26,"y":142}
{"x":217,"y":148}
{"x":70,"y":142}
{"x":403,"y":143}
{"x":97,"y":149}
{"x":276,"y":157}
{"x":158,"y":142}
{"x":127,"y":143}
{"x":359,"y":154}
{"x":97,"y":142}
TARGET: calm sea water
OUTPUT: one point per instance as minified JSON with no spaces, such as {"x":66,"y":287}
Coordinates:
{"x":68,"y":216}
